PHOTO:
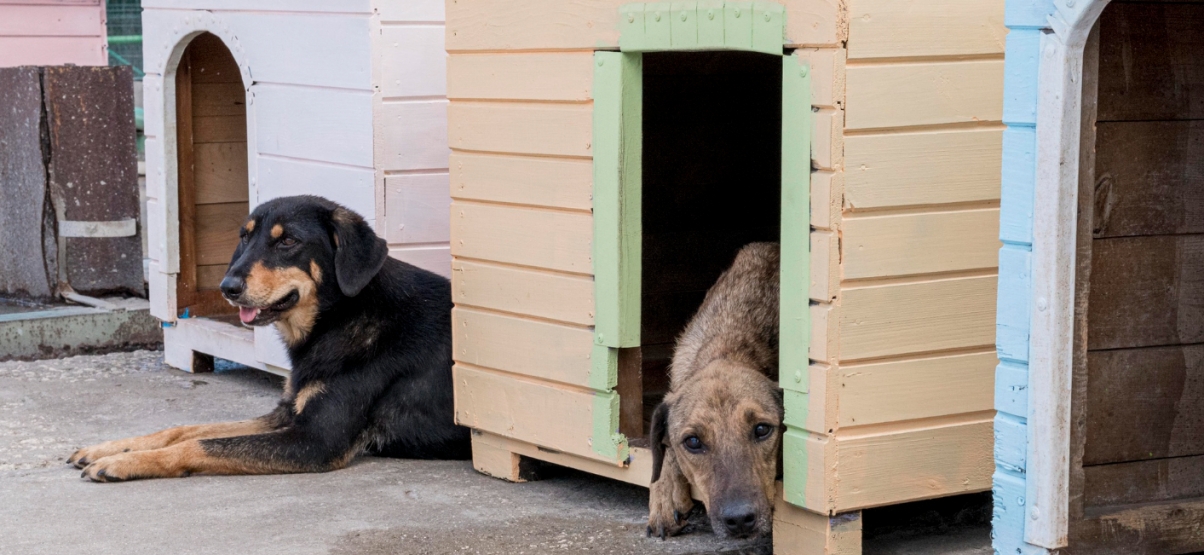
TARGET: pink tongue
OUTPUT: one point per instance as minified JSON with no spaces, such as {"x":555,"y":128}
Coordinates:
{"x":247,"y":314}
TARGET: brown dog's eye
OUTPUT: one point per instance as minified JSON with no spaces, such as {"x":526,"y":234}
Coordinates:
{"x":287,"y":242}
{"x":693,"y":444}
{"x":763,"y":431}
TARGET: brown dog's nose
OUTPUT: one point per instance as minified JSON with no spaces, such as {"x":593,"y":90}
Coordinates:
{"x":740,"y":519}
{"x":232,"y":287}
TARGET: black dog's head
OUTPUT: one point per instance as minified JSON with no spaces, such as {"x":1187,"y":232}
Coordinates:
{"x":298,"y":255}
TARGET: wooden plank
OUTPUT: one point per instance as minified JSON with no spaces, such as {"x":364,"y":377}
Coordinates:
{"x":212,"y":62}
{"x":1146,"y":291}
{"x":417,"y":207}
{"x":928,"y":93}
{"x":888,"y":320}
{"x":412,"y":11}
{"x":913,"y":464}
{"x":638,"y":470}
{"x":348,"y":6}
{"x":220,"y":172}
{"x":930,"y":167}
{"x":795,"y":242}
{"x":525,"y":236}
{"x":411,"y":135}
{"x":212,"y":337}
{"x":519,"y":408}
{"x":554,"y":129}
{"x":565,"y":298}
{"x":411,"y":61}
{"x":551,"y":182}
{"x":1145,"y":529}
{"x":52,"y":21}
{"x":798,"y":531}
{"x":278,"y":177}
{"x":218,"y":99}
{"x":209,"y":277}
{"x":1150,"y":178}
{"x":1150,"y":67}
{"x":921,"y":28}
{"x":562,"y":76}
{"x":327,"y":125}
{"x":220,"y":129}
{"x":535,"y":348}
{"x":931,"y":242}
{"x":51,"y":51}
{"x":435,"y":259}
{"x":914,"y":389}
{"x":1144,"y":481}
{"x":1144,"y":404}
{"x":282,"y":47}
{"x":217,"y":231}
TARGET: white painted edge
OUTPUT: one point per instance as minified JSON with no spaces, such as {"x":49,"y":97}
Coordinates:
{"x":1059,"y":109}
{"x":117,"y":228}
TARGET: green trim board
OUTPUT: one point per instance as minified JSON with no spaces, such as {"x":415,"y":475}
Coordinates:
{"x":702,"y":25}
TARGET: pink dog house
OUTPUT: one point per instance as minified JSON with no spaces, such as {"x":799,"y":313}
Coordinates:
{"x":52,"y":32}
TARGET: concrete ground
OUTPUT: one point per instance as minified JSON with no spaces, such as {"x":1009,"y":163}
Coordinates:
{"x":49,"y":408}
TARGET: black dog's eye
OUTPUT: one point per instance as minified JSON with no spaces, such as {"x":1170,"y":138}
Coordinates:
{"x":693,"y":444}
{"x":763,"y":431}
{"x":287,"y":242}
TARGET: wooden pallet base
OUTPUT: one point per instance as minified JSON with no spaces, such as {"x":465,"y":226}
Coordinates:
{"x":192,"y":344}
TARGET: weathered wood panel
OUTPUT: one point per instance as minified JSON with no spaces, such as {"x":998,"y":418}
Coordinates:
{"x":913,"y":464}
{"x":217,"y":231}
{"x":1145,"y":404}
{"x":888,"y":320}
{"x":435,"y":259}
{"x":1149,"y":178}
{"x":554,"y":129}
{"x":551,"y":182}
{"x":931,"y":167}
{"x":914,"y":28}
{"x":352,"y":187}
{"x":411,"y":135}
{"x":929,"y":93}
{"x":417,"y":208}
{"x":1146,"y":291}
{"x":412,"y":61}
{"x":27,"y":261}
{"x":48,"y":51}
{"x":412,"y":11}
{"x":1150,"y":65}
{"x":914,"y":389}
{"x":53,"y":21}
{"x":337,"y":126}
{"x":221,"y":172}
{"x":522,"y":291}
{"x":550,"y":239}
{"x":539,"y":349}
{"x":564,"y":76}
{"x":523,"y":409}
{"x":1158,"y":480}
{"x":220,"y":129}
{"x":931,"y":242}
{"x":1142,"y":529}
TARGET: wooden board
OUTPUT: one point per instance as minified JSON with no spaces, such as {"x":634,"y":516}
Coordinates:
{"x":1156,"y":481}
{"x":508,"y":405}
{"x":217,"y":231}
{"x":208,"y":278}
{"x":930,"y":167}
{"x":221,"y":172}
{"x":913,"y":389}
{"x":356,"y":188}
{"x":1143,"y":529}
{"x":53,"y":21}
{"x":433,"y":258}
{"x":540,"y":349}
{"x":1144,"y":404}
{"x":1149,"y":64}
{"x":891,"y":320}
{"x":883,"y":468}
{"x":337,"y":127}
{"x":411,"y":135}
{"x":550,"y":182}
{"x":411,"y":60}
{"x":551,"y":239}
{"x":928,"y":93}
{"x":1149,"y":178}
{"x":554,"y":129}
{"x":220,"y":129}
{"x":549,"y":295}
{"x":560,"y":76}
{"x":919,"y":243}
{"x":48,"y":51}
{"x":925,"y":28}
{"x":1146,"y":291}
{"x":417,"y":207}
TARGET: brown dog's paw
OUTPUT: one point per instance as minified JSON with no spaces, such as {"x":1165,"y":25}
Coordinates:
{"x":88,"y":455}
{"x":124,"y":466}
{"x":668,"y":513}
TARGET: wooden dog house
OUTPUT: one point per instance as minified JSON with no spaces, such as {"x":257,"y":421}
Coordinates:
{"x":247,"y":100}
{"x":53,"y":32}
{"x":1098,"y":439}
{"x":607,"y":161}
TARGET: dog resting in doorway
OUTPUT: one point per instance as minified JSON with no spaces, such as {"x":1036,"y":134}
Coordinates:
{"x":369,"y":338}
{"x":718,"y":428}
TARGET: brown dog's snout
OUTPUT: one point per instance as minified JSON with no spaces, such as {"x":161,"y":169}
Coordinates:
{"x":739,"y":518}
{"x":233,"y":287}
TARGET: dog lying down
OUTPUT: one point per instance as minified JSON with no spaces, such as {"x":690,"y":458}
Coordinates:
{"x":718,"y":428}
{"x":369,"y":338}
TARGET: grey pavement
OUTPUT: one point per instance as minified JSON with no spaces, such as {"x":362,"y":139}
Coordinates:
{"x":49,"y":408}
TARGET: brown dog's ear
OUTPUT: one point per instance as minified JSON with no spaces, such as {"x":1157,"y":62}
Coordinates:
{"x":358,"y":253}
{"x":656,"y":437}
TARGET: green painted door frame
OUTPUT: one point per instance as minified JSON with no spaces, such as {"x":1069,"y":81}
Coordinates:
{"x":618,"y":145}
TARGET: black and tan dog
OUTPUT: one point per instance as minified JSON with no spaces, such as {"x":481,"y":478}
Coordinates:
{"x":718,"y":428}
{"x":369,"y":338}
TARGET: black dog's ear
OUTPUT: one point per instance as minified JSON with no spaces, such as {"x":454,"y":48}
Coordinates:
{"x":358,"y":252}
{"x":656,"y":437}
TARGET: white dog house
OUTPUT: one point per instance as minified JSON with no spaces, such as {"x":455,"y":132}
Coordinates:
{"x":247,"y":100}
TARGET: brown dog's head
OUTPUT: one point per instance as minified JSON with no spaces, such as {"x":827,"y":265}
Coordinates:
{"x":723,"y":426}
{"x":298,"y":255}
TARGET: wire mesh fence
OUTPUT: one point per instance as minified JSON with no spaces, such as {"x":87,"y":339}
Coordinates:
{"x":125,"y":34}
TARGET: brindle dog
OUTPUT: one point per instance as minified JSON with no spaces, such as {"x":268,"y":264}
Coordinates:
{"x":369,"y":338}
{"x":719,"y":426}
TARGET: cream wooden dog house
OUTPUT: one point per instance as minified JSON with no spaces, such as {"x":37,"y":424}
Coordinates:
{"x":53,"y":32}
{"x":1099,"y":446}
{"x":247,"y":100}
{"x":609,"y":158}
